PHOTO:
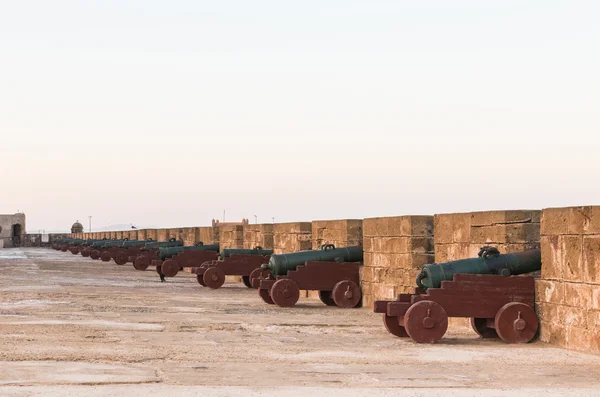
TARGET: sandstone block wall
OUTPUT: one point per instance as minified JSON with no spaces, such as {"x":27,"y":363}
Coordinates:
{"x":341,"y":233}
{"x":258,"y":235}
{"x":231,"y":236}
{"x":292,"y":237}
{"x":461,"y":235}
{"x":568,"y":294}
{"x":395,"y":249}
{"x":162,"y":235}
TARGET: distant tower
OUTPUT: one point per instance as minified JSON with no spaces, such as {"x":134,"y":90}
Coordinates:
{"x":77,"y":228}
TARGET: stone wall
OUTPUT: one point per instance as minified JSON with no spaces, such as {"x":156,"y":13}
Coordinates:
{"x":568,"y":294}
{"x":292,"y":237}
{"x":162,"y":235}
{"x":461,"y":235}
{"x":231,"y":236}
{"x":258,"y":235}
{"x":395,"y":250}
{"x":6,"y":229}
{"x":341,"y":233}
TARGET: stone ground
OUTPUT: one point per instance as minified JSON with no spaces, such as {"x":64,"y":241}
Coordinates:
{"x":71,"y":326}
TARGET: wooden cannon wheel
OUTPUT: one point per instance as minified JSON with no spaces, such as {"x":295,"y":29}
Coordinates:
{"x":121,"y":258}
{"x":479,"y":325}
{"x":265,"y":296}
{"x":170,"y":268}
{"x":516,"y":322}
{"x":199,"y":278}
{"x":141,"y":262}
{"x":346,"y":294}
{"x":285,"y":293}
{"x":85,"y":253}
{"x":258,"y":273}
{"x":75,"y":250}
{"x":426,"y":322}
{"x":95,"y":254}
{"x":213,"y":277}
{"x":105,"y":256}
{"x":326,"y":298}
{"x":392,"y":324}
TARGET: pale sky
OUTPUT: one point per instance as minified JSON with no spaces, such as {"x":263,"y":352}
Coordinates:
{"x":165,"y":113}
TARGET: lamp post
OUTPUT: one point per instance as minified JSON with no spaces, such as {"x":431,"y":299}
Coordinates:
{"x":255,"y":219}
{"x":90,"y":218}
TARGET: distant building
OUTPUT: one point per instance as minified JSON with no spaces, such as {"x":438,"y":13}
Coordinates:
{"x":12,"y":230}
{"x":77,"y":228}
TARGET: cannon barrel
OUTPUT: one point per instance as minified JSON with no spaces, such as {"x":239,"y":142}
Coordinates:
{"x":280,"y":264}
{"x":135,"y":243}
{"x":168,"y":252}
{"x":161,"y":244}
{"x":432,"y":275}
{"x":100,"y":243}
{"x":227,"y":252}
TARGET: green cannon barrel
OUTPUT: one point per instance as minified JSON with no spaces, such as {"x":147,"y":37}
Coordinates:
{"x":77,"y":241}
{"x":280,"y":264}
{"x":168,"y":252}
{"x":227,"y":252}
{"x":432,"y":275}
{"x":162,"y":244}
{"x":135,"y":243}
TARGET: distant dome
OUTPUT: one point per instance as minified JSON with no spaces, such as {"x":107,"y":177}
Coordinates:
{"x":77,"y":228}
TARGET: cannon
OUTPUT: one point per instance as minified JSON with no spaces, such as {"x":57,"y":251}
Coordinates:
{"x":84,"y":249}
{"x":129,"y":250}
{"x":170,"y":260}
{"x":64,"y":247}
{"x":59,"y":242}
{"x":334,"y":272}
{"x":149,"y":250}
{"x":492,"y":290}
{"x":232,"y":262}
{"x":78,"y":246}
{"x":103,"y":249}
{"x":110,"y":249}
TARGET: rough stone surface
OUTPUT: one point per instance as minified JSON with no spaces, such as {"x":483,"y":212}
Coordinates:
{"x":395,"y":250}
{"x":568,"y":295}
{"x":258,"y":235}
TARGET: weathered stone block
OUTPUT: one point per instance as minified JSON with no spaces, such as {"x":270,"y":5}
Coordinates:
{"x":550,"y":291}
{"x":554,"y":221}
{"x":579,"y":338}
{"x":578,"y":295}
{"x":571,"y":257}
{"x":591,"y":259}
{"x":443,"y":228}
{"x":551,"y":263}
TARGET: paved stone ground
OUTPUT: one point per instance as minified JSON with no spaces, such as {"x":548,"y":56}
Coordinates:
{"x":71,"y":326}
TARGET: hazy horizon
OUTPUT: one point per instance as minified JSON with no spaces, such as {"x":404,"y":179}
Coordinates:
{"x":168,"y":113}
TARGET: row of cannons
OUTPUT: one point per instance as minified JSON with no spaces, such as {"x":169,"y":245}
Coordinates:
{"x":495,"y":291}
{"x":334,"y":272}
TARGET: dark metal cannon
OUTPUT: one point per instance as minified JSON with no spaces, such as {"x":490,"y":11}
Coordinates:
{"x":67,"y":245}
{"x":489,"y":261}
{"x":491,"y":290}
{"x":233,"y":262}
{"x":170,"y":260}
{"x":334,"y":272}
{"x":148,"y":252}
{"x":129,"y":250}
